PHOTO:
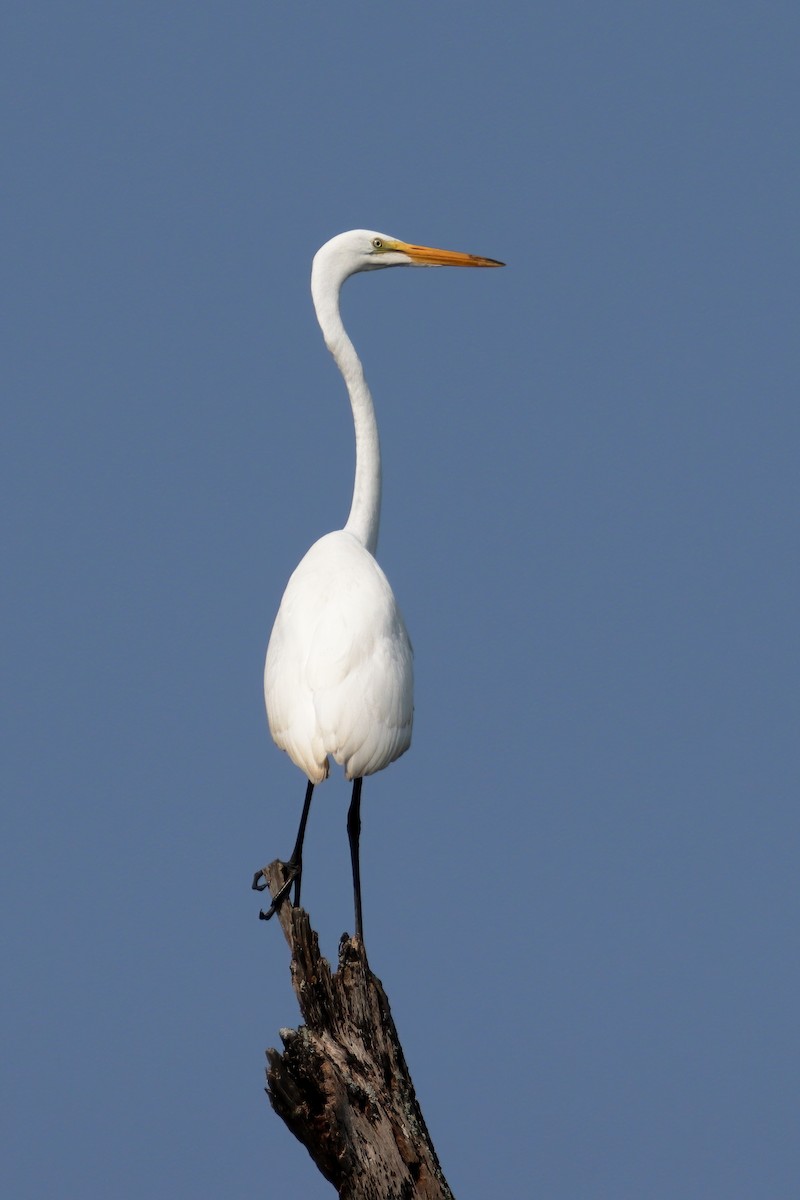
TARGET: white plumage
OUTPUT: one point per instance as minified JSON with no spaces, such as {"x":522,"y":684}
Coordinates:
{"x":338,"y":679}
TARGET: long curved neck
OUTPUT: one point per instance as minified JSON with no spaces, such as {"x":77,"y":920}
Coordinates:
{"x":365,"y":510}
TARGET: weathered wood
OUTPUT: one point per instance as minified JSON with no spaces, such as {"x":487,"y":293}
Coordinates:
{"x":341,"y":1084}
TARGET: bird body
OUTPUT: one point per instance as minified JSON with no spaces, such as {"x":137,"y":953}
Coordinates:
{"x":338,"y":678}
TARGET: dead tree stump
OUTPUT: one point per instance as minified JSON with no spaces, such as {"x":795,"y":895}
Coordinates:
{"x":341,"y":1084}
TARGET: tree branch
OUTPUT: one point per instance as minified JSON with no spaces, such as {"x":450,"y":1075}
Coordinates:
{"x":341,"y":1084}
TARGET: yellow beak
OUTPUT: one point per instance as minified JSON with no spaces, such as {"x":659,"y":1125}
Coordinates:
{"x":444,"y":258}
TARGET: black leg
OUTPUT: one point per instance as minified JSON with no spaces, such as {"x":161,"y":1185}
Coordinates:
{"x":297,"y":853}
{"x":353,"y":833}
{"x":295,"y":865}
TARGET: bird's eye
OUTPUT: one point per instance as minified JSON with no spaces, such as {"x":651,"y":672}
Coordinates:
{"x":377,"y":244}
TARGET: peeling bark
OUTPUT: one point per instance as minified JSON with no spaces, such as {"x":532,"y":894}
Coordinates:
{"x":341,"y":1084}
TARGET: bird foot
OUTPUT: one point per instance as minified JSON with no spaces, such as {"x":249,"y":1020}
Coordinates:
{"x":260,"y":884}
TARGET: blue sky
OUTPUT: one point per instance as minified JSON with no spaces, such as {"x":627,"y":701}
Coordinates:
{"x":580,"y":884}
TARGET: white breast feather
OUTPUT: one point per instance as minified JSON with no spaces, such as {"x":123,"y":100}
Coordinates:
{"x":338,"y":677}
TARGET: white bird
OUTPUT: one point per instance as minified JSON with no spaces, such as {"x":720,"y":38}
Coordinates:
{"x":338,"y":679}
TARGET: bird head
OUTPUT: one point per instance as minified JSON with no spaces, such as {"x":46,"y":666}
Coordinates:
{"x":367,"y":250}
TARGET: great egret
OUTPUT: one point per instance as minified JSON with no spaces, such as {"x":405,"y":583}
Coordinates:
{"x":338,"y":678}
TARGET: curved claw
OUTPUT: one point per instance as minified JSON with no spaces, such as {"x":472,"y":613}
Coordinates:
{"x":293,"y":876}
{"x":259,"y":887}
